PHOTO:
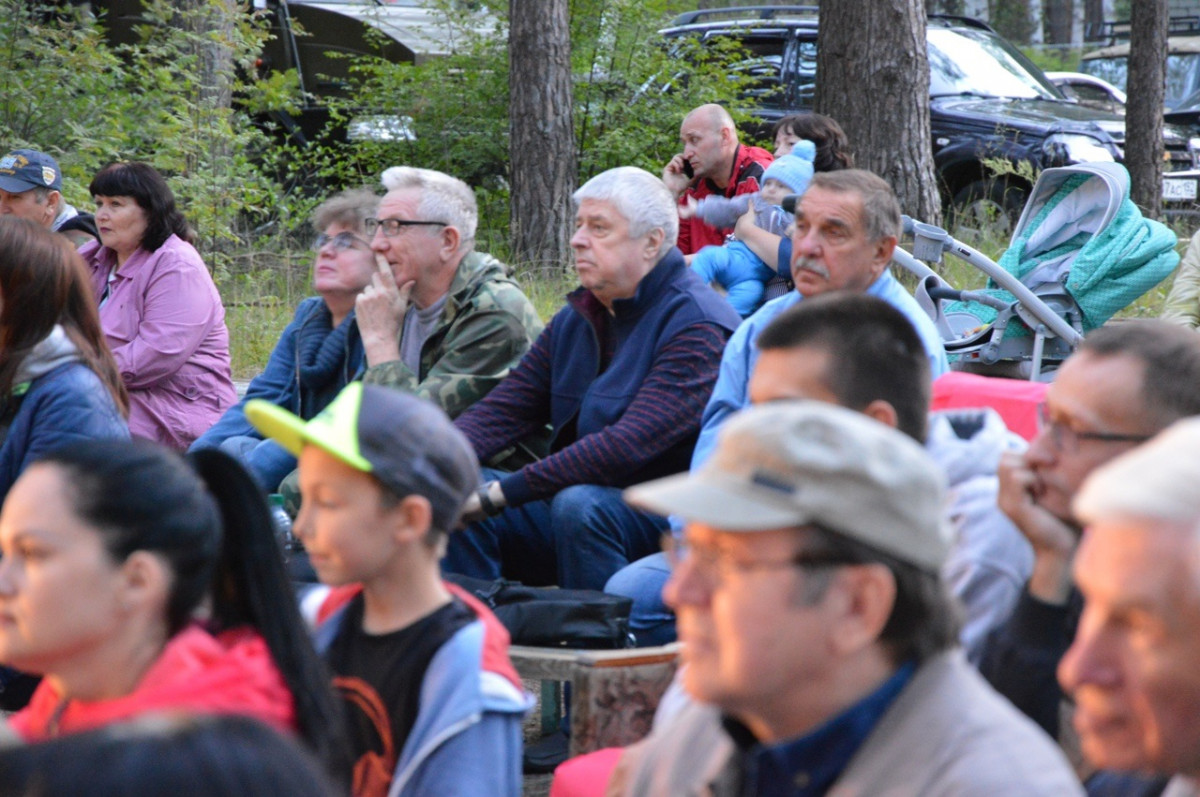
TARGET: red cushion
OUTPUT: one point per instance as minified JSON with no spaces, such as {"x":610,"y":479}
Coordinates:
{"x":586,"y":775}
{"x":1016,"y":400}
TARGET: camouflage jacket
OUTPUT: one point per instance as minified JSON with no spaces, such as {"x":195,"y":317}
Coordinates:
{"x":486,"y":327}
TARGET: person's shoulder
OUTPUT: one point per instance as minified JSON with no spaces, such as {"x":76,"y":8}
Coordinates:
{"x":986,"y":738}
{"x":487,"y":284}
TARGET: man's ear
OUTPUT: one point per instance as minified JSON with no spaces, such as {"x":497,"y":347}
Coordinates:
{"x":884,"y":412}
{"x":868,"y":596}
{"x":654,"y":240}
{"x":884,"y":248}
{"x":451,"y":240}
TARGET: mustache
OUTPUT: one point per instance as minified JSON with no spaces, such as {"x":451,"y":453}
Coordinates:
{"x":808,"y":264}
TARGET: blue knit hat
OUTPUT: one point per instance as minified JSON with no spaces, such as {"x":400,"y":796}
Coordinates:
{"x":794,"y":169}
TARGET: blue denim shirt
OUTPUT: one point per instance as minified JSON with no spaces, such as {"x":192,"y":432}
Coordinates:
{"x":809,"y":765}
{"x":741,"y":354}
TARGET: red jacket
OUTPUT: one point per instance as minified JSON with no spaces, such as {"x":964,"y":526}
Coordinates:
{"x":231,"y":673}
{"x":748,"y":166}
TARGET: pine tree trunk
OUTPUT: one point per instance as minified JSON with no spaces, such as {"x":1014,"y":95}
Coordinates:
{"x":1093,"y":20}
{"x":1057,"y":20}
{"x":873,"y":78}
{"x":541,"y":133}
{"x":1144,"y":112}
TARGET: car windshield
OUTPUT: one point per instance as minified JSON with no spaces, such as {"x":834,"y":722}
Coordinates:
{"x":1179,"y":69}
{"x":978,"y":63}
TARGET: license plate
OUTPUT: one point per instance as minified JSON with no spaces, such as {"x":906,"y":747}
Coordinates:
{"x":1179,"y":188}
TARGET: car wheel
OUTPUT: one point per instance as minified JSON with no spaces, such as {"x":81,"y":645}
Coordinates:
{"x":987,"y":210}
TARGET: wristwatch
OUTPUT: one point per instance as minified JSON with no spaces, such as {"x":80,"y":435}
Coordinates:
{"x":491,"y":498}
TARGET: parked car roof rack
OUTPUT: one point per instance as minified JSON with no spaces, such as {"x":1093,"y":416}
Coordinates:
{"x":742,"y":12}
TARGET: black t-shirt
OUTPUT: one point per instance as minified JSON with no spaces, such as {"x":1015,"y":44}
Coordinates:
{"x":379,"y":679}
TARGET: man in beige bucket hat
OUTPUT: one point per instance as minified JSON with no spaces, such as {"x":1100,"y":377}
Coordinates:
{"x":817,"y":634}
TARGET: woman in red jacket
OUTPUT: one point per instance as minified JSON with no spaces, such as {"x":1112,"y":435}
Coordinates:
{"x":135,"y":583}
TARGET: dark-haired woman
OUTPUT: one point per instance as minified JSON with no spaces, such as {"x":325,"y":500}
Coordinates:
{"x":58,"y":382}
{"x":159,"y":308}
{"x":110,"y":550}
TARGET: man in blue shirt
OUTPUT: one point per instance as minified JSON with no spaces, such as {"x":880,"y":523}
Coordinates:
{"x":847,"y":226}
{"x":819,"y":640}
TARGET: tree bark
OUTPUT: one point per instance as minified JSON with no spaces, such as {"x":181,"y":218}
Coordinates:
{"x":1093,"y":20}
{"x":1057,"y":20}
{"x":873,"y":78}
{"x":1011,"y":19}
{"x":1144,"y":113}
{"x":210,"y":23}
{"x":541,"y":132}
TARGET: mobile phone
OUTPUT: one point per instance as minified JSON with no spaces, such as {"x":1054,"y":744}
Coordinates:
{"x":687,"y":169}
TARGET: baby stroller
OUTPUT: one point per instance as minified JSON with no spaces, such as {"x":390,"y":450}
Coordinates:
{"x":1080,"y":253}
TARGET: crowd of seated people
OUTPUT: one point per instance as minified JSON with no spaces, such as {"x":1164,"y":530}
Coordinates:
{"x":873,"y":597}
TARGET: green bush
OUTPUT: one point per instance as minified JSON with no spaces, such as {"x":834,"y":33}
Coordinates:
{"x":65,"y":90}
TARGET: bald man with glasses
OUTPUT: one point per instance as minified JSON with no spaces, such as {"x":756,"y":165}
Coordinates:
{"x":1127,"y":382}
{"x":439,"y":319}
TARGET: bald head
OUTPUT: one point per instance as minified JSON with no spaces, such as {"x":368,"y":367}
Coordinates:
{"x":712,"y":116}
{"x":710,"y":142}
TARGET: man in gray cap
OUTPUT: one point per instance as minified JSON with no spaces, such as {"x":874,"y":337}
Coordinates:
{"x":31,"y":188}
{"x":817,"y":630}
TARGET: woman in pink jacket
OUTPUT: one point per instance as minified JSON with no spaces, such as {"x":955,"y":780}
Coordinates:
{"x":159,"y":309}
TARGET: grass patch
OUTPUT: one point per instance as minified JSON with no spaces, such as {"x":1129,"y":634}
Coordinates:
{"x":260,"y":292}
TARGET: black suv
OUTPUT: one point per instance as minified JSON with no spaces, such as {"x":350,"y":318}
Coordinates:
{"x":987,"y":100}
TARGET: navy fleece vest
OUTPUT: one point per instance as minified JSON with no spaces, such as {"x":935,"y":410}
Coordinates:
{"x":669,"y":299}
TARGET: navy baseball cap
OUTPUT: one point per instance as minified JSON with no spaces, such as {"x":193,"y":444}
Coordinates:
{"x":23,"y":169}
{"x":405,"y":442}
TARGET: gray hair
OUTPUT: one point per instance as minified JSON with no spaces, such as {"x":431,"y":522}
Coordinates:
{"x":640,"y":198}
{"x":352,"y":207}
{"x":443,"y":198}
{"x":881,"y":210}
{"x":1157,"y":481}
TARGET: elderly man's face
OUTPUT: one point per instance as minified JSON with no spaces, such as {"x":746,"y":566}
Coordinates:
{"x":1133,"y":666}
{"x":830,"y":247}
{"x":27,"y":205}
{"x":1090,"y":394}
{"x":610,"y":262}
{"x":414,"y":253}
{"x":750,"y":639}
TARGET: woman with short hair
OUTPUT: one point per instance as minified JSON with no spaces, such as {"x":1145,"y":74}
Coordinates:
{"x":320,"y":351}
{"x":160,"y":311}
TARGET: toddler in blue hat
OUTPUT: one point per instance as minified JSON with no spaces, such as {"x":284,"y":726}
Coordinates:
{"x":740,"y":272}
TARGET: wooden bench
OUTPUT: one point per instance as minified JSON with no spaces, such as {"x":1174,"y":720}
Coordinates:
{"x":614,"y":693}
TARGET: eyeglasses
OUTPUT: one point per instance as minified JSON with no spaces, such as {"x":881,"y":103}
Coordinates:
{"x":341,"y":242}
{"x":717,"y":568}
{"x":1067,"y":440}
{"x":392,"y":227}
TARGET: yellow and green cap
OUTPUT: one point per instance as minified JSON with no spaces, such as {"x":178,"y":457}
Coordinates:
{"x":405,"y":442}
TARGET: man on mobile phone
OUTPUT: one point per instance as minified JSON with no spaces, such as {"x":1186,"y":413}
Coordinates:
{"x":713,"y":162}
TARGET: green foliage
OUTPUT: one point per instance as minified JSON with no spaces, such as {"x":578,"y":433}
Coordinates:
{"x":633,"y":89}
{"x":1001,"y":167}
{"x":1054,"y":59}
{"x":65,"y":91}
